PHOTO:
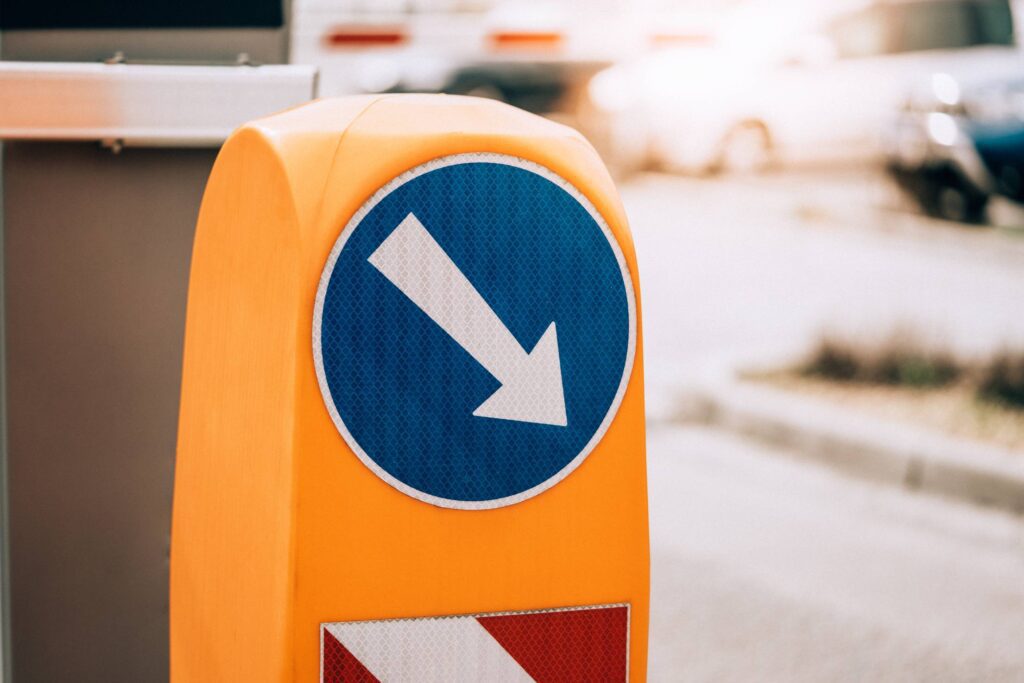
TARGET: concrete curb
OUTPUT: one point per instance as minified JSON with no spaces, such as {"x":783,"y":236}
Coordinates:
{"x":859,"y":445}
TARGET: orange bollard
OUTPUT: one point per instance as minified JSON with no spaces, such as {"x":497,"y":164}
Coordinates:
{"x":411,"y":442}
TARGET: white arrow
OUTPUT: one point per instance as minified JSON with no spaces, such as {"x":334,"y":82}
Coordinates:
{"x":531,"y":383}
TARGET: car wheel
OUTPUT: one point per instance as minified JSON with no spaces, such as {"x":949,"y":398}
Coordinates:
{"x":746,"y":148}
{"x":948,"y":196}
{"x":957,"y":204}
{"x":487,"y":91}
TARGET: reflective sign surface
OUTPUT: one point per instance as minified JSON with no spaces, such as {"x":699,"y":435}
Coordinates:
{"x":474,"y":330}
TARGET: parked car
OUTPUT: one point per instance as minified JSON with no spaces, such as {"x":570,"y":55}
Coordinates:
{"x":953,"y":146}
{"x":785,"y":82}
{"x":541,"y":87}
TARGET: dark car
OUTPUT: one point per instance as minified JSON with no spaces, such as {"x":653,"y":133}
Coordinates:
{"x":955,"y":146}
{"x":541,"y":87}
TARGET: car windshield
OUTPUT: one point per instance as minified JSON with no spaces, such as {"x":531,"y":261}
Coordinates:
{"x":948,"y":25}
{"x":892,"y":28}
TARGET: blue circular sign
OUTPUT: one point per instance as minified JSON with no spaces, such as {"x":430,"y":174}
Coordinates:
{"x":474,"y":330}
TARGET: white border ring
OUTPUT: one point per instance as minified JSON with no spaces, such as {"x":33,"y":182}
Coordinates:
{"x":321,"y":293}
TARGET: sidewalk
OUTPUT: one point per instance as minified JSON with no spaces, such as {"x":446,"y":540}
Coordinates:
{"x":859,"y":445}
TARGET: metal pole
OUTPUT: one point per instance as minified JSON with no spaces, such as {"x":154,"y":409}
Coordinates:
{"x":5,"y":584}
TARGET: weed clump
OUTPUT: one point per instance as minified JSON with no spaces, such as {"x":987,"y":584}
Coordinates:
{"x":899,"y":361}
{"x":1002,"y":379}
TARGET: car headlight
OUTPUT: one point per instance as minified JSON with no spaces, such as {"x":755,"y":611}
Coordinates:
{"x":942,"y":128}
{"x":946,"y":89}
{"x":942,"y":94}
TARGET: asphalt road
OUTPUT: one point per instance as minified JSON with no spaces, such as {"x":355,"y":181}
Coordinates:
{"x":753,"y":271}
{"x":768,"y":569}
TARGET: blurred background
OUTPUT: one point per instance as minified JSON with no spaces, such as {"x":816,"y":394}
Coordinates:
{"x":826,"y":198}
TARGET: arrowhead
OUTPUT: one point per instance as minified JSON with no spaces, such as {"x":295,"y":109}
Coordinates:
{"x":534,"y":393}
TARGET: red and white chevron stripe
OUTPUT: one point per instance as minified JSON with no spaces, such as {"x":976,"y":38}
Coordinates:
{"x":548,"y":646}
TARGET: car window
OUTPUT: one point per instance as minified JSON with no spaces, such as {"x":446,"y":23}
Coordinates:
{"x":951,"y":24}
{"x":995,"y":22}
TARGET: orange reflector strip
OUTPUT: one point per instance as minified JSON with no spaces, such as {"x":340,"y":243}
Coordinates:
{"x":663,"y":39}
{"x":364,"y":37}
{"x":528,"y":40}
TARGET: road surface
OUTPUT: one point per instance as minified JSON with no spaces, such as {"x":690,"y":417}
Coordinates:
{"x":768,"y":569}
{"x":751,"y":271}
{"x":765,"y":568}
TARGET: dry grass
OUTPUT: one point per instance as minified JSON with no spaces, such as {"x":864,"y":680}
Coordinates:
{"x":908,"y":381}
{"x":901,"y":360}
{"x":1002,"y":380}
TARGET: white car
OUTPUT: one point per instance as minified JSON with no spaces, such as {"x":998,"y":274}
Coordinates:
{"x":791,"y":82}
